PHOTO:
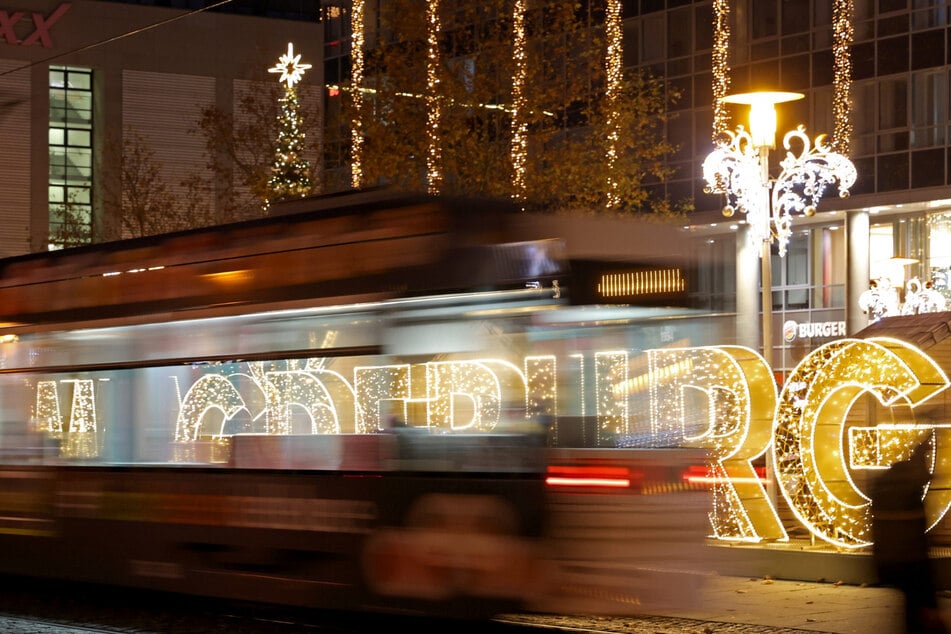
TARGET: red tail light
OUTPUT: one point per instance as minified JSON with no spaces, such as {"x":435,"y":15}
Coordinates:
{"x":703,"y":475}
{"x":591,"y":476}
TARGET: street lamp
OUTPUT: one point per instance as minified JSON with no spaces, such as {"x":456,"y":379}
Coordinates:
{"x":739,"y":168}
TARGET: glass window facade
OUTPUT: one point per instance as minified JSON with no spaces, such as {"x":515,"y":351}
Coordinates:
{"x":71,"y":156}
{"x":899,"y":62}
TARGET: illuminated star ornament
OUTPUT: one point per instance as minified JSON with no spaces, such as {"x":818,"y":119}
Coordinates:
{"x":290,"y":67}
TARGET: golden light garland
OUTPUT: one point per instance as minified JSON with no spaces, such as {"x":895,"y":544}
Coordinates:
{"x":78,"y":437}
{"x":541,"y":377}
{"x":519,"y":124}
{"x":211,"y":391}
{"x":357,"y":43}
{"x":614,"y":61}
{"x":433,"y":107}
{"x":379,"y":384}
{"x":306,"y":392}
{"x":720,"y":61}
{"x":46,"y":415}
{"x":843,"y":33}
{"x":613,"y":409}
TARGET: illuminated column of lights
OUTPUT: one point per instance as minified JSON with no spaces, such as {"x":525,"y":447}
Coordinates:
{"x":374,"y":385}
{"x":303,"y":390}
{"x":580,"y":395}
{"x":275,"y":417}
{"x":448,"y":380}
{"x":843,"y":32}
{"x":811,"y":467}
{"x":82,"y":412}
{"x":610,"y":370}
{"x":47,"y":417}
{"x":433,"y":105}
{"x":613,"y":61}
{"x":541,"y":395}
{"x":720,"y":61}
{"x":81,"y":440}
{"x":341,"y":394}
{"x":519,"y":124}
{"x":357,"y":43}
{"x":721,"y":399}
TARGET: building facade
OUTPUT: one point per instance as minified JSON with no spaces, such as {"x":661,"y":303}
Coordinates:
{"x":79,"y":78}
{"x":900,"y":63}
{"x":894,"y":228}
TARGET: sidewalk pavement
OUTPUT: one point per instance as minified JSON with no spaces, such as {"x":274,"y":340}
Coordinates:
{"x":777,"y":605}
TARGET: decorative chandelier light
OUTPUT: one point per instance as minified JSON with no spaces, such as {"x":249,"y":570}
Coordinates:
{"x":739,"y":168}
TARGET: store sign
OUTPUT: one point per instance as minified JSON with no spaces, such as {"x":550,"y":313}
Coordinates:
{"x":13,"y":21}
{"x":793,"y":330}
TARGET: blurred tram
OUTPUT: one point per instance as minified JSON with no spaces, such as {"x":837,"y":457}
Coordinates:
{"x":368,"y":401}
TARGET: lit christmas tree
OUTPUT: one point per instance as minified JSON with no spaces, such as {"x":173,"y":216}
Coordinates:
{"x":290,"y":173}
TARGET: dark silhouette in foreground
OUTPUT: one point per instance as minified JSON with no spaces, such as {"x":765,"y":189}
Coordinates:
{"x":900,"y":540}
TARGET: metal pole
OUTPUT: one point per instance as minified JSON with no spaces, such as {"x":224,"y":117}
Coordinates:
{"x":766,"y":277}
{"x":767,"y":292}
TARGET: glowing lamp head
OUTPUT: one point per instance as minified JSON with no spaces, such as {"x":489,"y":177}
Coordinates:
{"x":763,"y":113}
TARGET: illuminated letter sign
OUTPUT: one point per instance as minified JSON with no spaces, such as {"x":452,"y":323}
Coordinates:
{"x":722,"y":399}
{"x":41,"y":27}
{"x":809,"y":446}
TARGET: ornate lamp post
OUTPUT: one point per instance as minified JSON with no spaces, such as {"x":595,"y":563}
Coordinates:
{"x":739,"y":169}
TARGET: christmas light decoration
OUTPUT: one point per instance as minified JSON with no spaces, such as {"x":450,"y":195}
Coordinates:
{"x":610,"y":369}
{"x":357,"y":43}
{"x":375,"y":385}
{"x":433,"y":107}
{"x":720,"y":61}
{"x":290,"y":67}
{"x":739,"y":169}
{"x":46,"y":416}
{"x":306,"y":392}
{"x":843,"y":33}
{"x":808,"y":448}
{"x":290,"y":172}
{"x":211,"y":391}
{"x":613,"y":61}
{"x":541,"y":377}
{"x":721,"y":399}
{"x":519,"y":124}
{"x":78,"y":437}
